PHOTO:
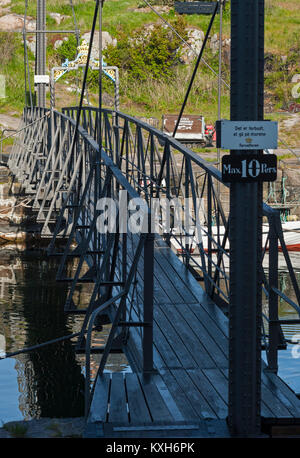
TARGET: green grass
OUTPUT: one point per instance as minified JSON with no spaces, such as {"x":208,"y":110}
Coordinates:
{"x":282,"y":18}
{"x":151,"y":98}
{"x":12,"y":68}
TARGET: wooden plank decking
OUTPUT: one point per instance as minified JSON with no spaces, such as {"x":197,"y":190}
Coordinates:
{"x":190,"y":388}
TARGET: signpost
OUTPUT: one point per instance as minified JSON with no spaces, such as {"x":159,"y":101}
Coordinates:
{"x":249,"y":168}
{"x":41,"y":79}
{"x":245,"y":223}
{"x":191,"y":127}
{"x":247,"y":135}
{"x":195,"y":7}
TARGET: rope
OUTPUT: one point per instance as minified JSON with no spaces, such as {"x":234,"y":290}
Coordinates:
{"x":195,"y":69}
{"x":85,"y":78}
{"x":26,"y":61}
{"x":205,"y":63}
{"x":185,"y":42}
{"x":77,"y":32}
{"x":25,"y":127}
{"x":291,"y":150}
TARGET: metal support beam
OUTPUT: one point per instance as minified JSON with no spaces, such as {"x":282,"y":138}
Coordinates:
{"x":41,"y":50}
{"x":148,"y":303}
{"x":273,"y":297}
{"x":247,"y":60}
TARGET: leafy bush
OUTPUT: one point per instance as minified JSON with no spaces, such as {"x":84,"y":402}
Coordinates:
{"x":68,"y":49}
{"x":278,"y":75}
{"x":150,"y":52}
{"x":93,"y":82}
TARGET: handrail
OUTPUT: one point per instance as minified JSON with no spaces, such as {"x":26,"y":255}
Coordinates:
{"x":268,"y":211}
{"x":93,"y":317}
{"x":143,"y":161}
{"x":163,"y":137}
{"x":275,"y":238}
{"x":85,"y":168}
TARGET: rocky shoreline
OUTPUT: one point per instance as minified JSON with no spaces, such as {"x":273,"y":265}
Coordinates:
{"x":18,"y":231}
{"x":44,"y":428}
{"x":17,"y":221}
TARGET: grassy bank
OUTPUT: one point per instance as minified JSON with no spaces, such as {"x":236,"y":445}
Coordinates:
{"x":12,"y":67}
{"x":152,"y":97}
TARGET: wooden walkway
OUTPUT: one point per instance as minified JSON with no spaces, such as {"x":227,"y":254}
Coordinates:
{"x":188,"y":396}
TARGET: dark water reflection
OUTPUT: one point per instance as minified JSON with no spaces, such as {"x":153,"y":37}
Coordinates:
{"x":48,"y":382}
{"x":289,"y":359}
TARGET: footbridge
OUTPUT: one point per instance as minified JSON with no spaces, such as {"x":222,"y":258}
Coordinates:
{"x":165,"y":292}
{"x":174,"y":259}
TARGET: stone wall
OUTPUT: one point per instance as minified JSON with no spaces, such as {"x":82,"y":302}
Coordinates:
{"x":17,"y":226}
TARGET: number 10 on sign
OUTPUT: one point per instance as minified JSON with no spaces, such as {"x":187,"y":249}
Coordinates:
{"x":249,"y":168}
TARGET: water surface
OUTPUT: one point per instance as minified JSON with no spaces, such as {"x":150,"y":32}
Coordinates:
{"x":48,"y":382}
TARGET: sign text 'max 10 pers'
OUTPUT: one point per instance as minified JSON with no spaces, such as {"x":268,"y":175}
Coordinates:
{"x":249,"y":168}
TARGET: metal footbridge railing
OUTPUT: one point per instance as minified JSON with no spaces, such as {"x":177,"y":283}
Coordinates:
{"x":180,"y":198}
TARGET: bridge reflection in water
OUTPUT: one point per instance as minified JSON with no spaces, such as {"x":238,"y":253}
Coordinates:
{"x":48,"y":382}
{"x":160,"y":315}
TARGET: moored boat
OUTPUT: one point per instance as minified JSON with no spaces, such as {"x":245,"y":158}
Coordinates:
{"x":291,"y":234}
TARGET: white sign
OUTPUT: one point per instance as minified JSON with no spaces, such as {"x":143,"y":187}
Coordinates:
{"x":41,"y":79}
{"x":242,"y":135}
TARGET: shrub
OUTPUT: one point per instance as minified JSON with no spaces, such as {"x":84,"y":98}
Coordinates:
{"x":150,"y":51}
{"x":68,"y":49}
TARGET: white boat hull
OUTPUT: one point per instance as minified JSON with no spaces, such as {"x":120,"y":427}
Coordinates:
{"x":291,"y":233}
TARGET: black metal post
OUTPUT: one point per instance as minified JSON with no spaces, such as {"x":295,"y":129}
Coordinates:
{"x":148,"y":303}
{"x":247,"y":59}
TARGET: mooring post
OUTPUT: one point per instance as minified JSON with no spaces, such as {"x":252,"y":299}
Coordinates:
{"x":247,"y":72}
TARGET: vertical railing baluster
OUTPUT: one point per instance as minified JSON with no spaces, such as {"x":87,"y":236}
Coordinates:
{"x":152,"y":152}
{"x":209,"y":226}
{"x":126,"y":132}
{"x":186,"y":190}
{"x":116,"y":144}
{"x":148,"y":301}
{"x":168,"y":194}
{"x":273,"y":298}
